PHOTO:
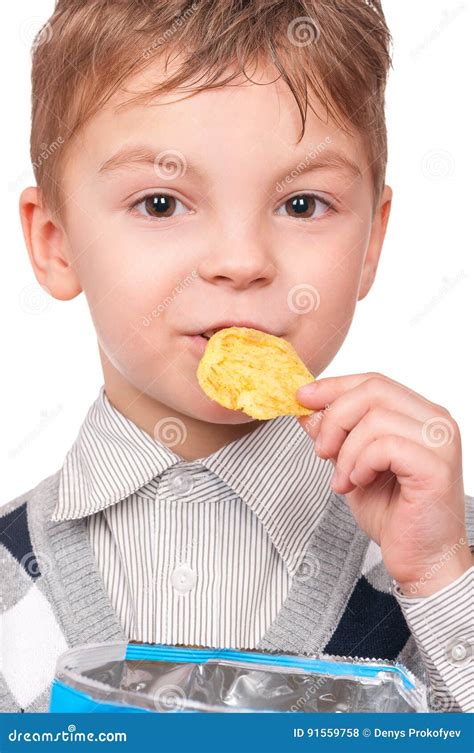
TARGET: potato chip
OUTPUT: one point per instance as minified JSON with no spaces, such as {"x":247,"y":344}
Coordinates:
{"x":249,"y":370}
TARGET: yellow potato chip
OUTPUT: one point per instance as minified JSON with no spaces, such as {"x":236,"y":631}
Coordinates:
{"x":249,"y":370}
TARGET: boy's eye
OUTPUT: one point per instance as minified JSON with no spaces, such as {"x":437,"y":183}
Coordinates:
{"x":304,"y":206}
{"x":159,"y":205}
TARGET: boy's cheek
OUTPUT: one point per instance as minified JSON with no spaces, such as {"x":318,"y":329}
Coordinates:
{"x":320,"y":333}
{"x":139,"y":362}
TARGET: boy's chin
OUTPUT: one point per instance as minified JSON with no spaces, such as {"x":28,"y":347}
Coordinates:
{"x":214,"y":413}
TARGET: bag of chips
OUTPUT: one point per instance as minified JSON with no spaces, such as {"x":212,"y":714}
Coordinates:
{"x":138,"y":677}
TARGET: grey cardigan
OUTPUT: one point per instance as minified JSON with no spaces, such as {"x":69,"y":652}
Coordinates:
{"x":52,"y":597}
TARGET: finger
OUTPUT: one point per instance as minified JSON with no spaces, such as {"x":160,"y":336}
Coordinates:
{"x":326,"y":390}
{"x":348,"y":409}
{"x":311,"y":423}
{"x":414,"y":465}
{"x":376,"y":423}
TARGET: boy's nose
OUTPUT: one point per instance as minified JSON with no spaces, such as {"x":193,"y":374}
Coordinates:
{"x":239,"y":263}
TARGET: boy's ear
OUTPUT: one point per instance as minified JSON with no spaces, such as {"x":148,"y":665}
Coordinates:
{"x":379,"y":226}
{"x":46,"y":242}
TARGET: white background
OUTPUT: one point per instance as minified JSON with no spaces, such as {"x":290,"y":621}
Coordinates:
{"x":416,"y":324}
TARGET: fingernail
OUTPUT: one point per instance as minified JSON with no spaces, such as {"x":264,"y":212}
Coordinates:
{"x":353,"y":477}
{"x":307,"y":390}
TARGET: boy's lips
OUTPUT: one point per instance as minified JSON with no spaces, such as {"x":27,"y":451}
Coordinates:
{"x":199,"y":338}
{"x":208,"y":330}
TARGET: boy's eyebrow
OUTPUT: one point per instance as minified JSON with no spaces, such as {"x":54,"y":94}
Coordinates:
{"x":142,"y":155}
{"x":329,"y":158}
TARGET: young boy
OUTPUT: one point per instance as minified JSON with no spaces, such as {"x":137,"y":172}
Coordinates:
{"x":223,"y":163}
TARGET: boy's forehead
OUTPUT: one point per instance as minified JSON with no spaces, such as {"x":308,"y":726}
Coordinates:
{"x":260,"y":117}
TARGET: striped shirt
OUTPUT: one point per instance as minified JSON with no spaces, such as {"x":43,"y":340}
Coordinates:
{"x":200,"y":552}
{"x":341,"y":600}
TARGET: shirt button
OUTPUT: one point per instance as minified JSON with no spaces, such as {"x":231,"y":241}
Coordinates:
{"x":459,"y":652}
{"x":181,"y":484}
{"x":183,"y":578}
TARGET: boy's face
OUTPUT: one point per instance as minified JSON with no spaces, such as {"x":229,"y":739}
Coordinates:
{"x":201,"y":210}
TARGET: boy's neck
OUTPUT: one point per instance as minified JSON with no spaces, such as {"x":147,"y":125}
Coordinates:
{"x":202,"y":438}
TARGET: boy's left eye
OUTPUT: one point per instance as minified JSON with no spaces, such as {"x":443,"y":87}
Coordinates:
{"x":159,"y":205}
{"x":304,"y":206}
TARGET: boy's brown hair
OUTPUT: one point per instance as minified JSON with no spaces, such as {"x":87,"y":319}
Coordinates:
{"x":336,"y":50}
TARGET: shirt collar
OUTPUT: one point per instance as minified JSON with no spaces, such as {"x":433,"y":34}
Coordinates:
{"x":111,"y":458}
{"x":274,"y":469}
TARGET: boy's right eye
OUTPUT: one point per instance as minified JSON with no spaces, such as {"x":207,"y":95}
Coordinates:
{"x":159,"y":206}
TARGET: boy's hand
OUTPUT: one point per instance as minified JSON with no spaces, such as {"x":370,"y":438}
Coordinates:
{"x":398,"y":462}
